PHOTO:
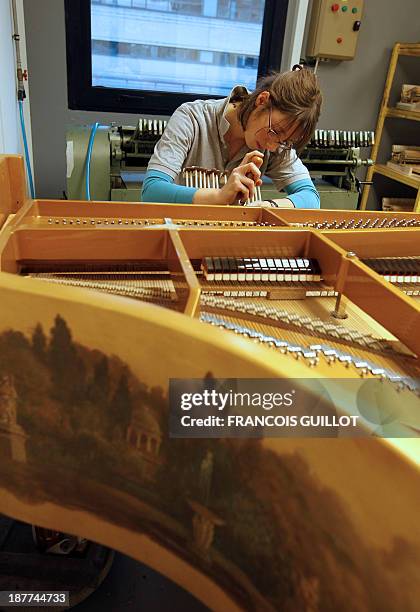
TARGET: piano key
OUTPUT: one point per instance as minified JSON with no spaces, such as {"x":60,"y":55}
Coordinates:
{"x":287,"y":270}
{"x":233,"y":268}
{"x":257,"y":270}
{"x":279,"y":269}
{"x":217,"y":269}
{"x":264,"y":269}
{"x":225,"y":269}
{"x":249,"y":269}
{"x":241,"y":270}
{"x":272,"y":275}
{"x":294,"y":270}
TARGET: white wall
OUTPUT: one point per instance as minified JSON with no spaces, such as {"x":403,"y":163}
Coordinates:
{"x":293,"y":35}
{"x":10,"y":132}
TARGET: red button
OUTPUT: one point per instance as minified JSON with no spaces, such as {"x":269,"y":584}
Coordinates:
{"x":335,"y":8}
{"x":339,"y":40}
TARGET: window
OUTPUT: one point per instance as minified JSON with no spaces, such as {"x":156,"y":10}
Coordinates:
{"x":123,"y":54}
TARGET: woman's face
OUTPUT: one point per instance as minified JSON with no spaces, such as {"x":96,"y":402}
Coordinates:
{"x":267,"y":127}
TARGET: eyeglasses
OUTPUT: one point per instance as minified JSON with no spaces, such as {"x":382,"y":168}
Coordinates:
{"x":273,"y":137}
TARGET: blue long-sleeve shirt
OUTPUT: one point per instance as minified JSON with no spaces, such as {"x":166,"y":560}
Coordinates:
{"x":160,"y":187}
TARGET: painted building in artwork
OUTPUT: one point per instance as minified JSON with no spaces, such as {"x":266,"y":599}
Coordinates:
{"x":12,"y":436}
{"x":145,"y":436}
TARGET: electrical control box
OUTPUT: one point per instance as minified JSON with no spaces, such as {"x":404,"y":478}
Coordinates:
{"x":334,"y":29}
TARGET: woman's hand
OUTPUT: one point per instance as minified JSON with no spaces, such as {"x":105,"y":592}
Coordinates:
{"x":243,"y":179}
{"x":257,"y":157}
{"x":240,"y":185}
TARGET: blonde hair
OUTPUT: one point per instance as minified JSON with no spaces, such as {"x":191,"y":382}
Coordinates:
{"x":295,"y":93}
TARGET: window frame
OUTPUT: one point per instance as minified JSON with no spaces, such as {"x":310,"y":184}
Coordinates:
{"x":82,"y":95}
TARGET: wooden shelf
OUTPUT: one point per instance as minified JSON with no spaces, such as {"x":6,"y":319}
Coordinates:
{"x":385,"y":112}
{"x":411,"y":181}
{"x":399,"y":113}
{"x":409,"y":49}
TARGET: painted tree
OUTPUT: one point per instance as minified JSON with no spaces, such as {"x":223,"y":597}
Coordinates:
{"x":119,"y":409}
{"x":39,"y":343}
{"x":99,"y":387}
{"x":67,"y":369}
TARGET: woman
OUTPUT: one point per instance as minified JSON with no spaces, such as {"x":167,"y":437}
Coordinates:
{"x":245,"y":135}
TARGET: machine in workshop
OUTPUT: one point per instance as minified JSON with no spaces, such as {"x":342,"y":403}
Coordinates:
{"x":120,"y":155}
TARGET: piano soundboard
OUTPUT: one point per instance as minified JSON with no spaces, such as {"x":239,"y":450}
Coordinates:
{"x":317,"y":296}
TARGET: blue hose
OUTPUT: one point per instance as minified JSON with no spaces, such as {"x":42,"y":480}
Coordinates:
{"x":25,"y":145}
{"x":88,"y":158}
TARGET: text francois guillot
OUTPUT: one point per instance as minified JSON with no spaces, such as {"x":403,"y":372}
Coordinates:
{"x":267,"y":401}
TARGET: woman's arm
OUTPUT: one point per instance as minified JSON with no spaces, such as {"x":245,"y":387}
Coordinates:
{"x":290,"y":175}
{"x":160,"y":187}
{"x":303,"y":194}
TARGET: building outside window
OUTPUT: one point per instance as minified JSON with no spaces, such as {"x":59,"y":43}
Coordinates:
{"x":122,"y":55}
{"x":183,"y":46}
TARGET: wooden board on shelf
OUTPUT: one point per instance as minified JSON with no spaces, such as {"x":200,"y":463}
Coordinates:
{"x":397,"y":204}
{"x":401,"y":113}
{"x":408,"y":49}
{"x":412,"y":181}
{"x":414,"y":106}
{"x":407,"y":169}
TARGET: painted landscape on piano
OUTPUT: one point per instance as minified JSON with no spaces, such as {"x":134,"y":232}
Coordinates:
{"x":80,"y":431}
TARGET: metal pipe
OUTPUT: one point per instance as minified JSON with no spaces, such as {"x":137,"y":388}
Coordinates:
{"x":16,"y":38}
{"x":339,"y":162}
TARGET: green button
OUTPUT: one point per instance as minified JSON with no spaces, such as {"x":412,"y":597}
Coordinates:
{"x":354,"y":10}
{"x":344,"y":8}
